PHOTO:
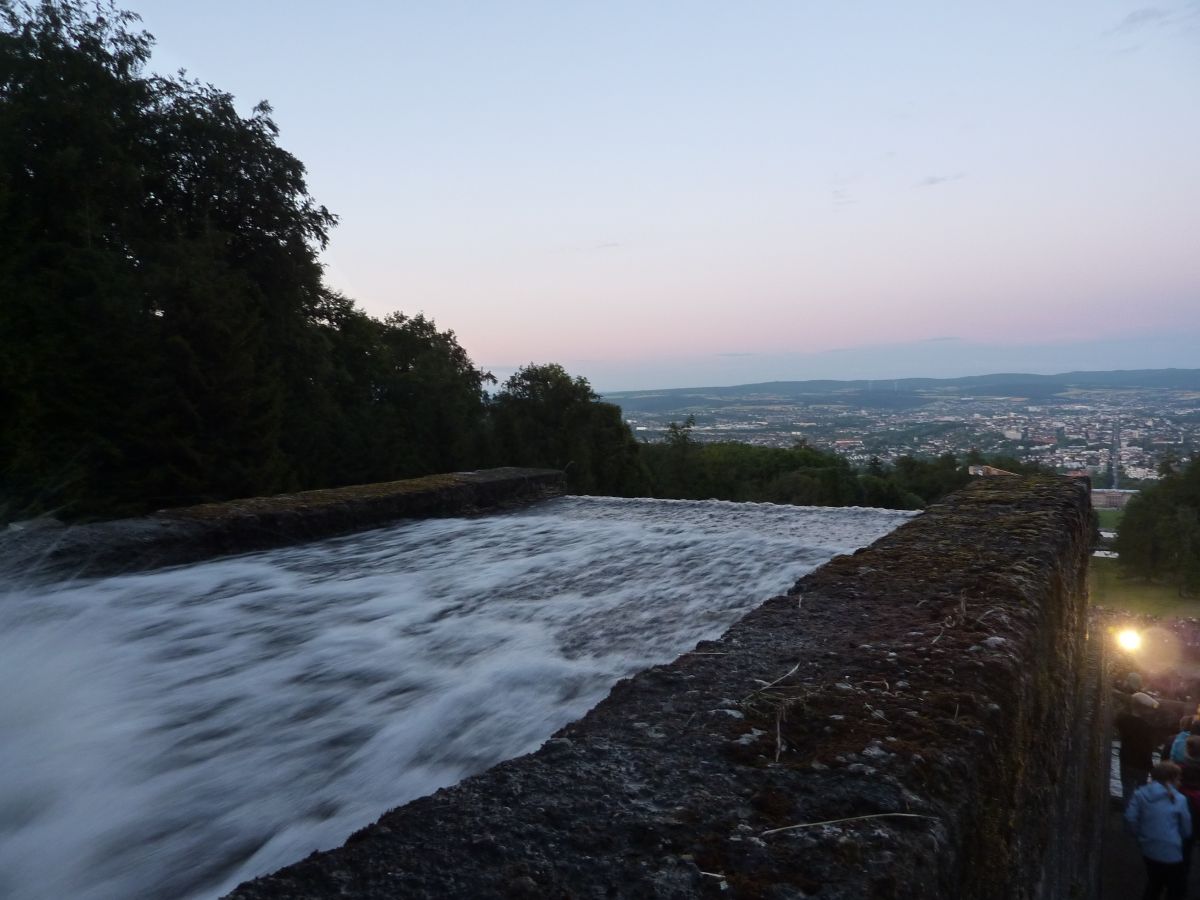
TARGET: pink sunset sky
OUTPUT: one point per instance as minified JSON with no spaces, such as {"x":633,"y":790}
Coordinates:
{"x":682,"y":193}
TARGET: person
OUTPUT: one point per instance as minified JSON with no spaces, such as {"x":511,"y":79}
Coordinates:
{"x":1158,"y":816}
{"x":1189,"y":786}
{"x":1138,"y":740}
{"x":1190,"y":777}
{"x":1188,"y":726}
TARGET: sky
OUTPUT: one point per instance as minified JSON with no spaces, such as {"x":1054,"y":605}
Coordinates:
{"x":675,"y":194}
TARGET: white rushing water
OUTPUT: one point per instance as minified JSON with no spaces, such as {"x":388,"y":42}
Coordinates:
{"x":170,"y":734}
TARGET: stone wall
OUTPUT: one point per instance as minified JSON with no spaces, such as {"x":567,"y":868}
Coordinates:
{"x":178,"y":536}
{"x":919,"y":720}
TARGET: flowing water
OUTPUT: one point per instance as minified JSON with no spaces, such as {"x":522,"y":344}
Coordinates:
{"x":172,"y":733}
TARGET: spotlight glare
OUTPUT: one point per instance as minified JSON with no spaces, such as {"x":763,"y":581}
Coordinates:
{"x":1129,"y":639}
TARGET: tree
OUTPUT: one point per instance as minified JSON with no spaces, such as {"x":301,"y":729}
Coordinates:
{"x":681,"y":467}
{"x":1168,"y":465}
{"x":671,"y":463}
{"x":542,"y":416}
{"x":881,"y":491}
{"x":429,"y":399}
{"x":157,"y":257}
{"x":384,"y":399}
{"x":1159,"y":534}
{"x":929,"y":480}
{"x":165,"y":333}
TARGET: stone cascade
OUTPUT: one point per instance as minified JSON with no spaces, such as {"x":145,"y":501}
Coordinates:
{"x":922,"y":719}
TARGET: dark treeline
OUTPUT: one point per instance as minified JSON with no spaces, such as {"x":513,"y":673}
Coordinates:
{"x":165,"y":333}
{"x":166,"y":336}
{"x":681,"y":467}
{"x":1159,"y":534}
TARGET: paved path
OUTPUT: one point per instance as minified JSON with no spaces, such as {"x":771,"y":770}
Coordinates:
{"x":1122,"y":875}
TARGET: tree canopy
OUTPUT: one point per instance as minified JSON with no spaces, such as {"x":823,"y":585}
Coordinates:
{"x":682,"y":467}
{"x":166,"y":335}
{"x":544,"y":417}
{"x":1159,"y":533}
{"x":165,"y":332}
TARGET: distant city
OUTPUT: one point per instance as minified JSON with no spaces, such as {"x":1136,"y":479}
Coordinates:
{"x":1119,"y":427}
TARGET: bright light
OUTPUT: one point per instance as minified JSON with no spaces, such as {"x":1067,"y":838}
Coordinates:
{"x":1129,"y":639}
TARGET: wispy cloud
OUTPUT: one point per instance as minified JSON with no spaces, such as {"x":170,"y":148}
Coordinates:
{"x":738,"y":355}
{"x":934,"y":180}
{"x":1141,"y":18}
{"x":1156,"y":17}
{"x":840,"y":186}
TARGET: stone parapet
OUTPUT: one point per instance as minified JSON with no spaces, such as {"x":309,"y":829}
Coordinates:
{"x":922,"y":719}
{"x":188,"y":534}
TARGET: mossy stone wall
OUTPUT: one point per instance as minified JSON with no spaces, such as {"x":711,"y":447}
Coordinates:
{"x":922,"y":719}
{"x":178,"y":536}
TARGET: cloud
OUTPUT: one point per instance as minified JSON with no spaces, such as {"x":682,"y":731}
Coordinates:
{"x":934,"y":180}
{"x":1155,"y":17}
{"x":738,"y":355}
{"x":840,"y":187}
{"x":1141,"y":18}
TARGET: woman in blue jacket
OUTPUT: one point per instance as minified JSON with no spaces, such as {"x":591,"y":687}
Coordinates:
{"x":1158,"y":816}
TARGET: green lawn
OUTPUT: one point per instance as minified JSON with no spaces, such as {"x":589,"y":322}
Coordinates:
{"x":1109,"y":518}
{"x":1133,"y":595}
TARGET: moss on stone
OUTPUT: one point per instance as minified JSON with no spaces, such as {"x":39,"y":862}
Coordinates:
{"x":960,"y":637}
{"x":307,"y":501}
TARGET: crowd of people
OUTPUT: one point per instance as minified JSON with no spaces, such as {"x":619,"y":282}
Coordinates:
{"x":1161,"y":798}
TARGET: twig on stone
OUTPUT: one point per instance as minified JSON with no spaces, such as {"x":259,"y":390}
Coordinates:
{"x":787,"y":674}
{"x":781,"y":714}
{"x":724,"y":885}
{"x":848,"y":819}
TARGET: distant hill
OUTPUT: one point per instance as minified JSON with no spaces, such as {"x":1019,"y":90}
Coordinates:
{"x":904,"y":393}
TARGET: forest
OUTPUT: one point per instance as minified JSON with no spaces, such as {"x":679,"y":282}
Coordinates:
{"x":167,"y":336}
{"x":1159,"y":535}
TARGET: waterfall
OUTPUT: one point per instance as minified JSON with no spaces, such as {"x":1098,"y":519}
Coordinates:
{"x":170,"y":734}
